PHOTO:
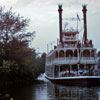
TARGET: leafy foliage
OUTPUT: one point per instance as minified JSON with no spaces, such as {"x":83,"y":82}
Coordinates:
{"x":17,"y":59}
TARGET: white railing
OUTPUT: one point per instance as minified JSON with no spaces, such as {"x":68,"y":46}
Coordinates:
{"x":72,"y":60}
{"x":66,"y":60}
{"x":88,"y":60}
{"x":70,"y":46}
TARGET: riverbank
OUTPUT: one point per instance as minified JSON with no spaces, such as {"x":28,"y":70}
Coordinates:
{"x":22,"y":82}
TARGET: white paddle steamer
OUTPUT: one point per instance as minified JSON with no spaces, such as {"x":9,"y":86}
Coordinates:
{"x":73,"y":61}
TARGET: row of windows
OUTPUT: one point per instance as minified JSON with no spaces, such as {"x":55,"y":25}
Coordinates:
{"x":70,"y":53}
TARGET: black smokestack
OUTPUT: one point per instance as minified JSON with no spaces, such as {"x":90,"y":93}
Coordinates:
{"x":60,"y":22}
{"x":85,"y":23}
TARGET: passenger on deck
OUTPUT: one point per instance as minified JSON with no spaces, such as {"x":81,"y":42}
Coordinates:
{"x":91,"y":72}
{"x":75,"y":73}
{"x":63,"y":73}
{"x":81,"y":72}
{"x":86,"y":73}
{"x":96,"y":72}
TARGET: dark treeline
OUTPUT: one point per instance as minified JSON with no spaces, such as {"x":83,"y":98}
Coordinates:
{"x":18,"y":61}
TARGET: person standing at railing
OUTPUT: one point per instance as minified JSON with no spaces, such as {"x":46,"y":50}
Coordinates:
{"x":95,"y":72}
{"x":99,"y":71}
{"x":86,"y":72}
{"x":74,"y":73}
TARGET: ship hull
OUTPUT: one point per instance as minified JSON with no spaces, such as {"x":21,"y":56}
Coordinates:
{"x":77,"y":81}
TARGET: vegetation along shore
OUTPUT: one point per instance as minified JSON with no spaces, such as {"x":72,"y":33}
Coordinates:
{"x":19,"y":62}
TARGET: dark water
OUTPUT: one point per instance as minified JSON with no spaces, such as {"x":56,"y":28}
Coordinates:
{"x":48,"y":91}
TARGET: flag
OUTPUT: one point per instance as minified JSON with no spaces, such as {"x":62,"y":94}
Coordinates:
{"x":78,"y":18}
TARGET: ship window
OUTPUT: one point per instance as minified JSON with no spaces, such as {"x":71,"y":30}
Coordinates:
{"x":92,"y":53}
{"x":64,"y":68}
{"x":81,"y":67}
{"x":74,"y":67}
{"x":86,"y":53}
{"x":56,"y":71}
{"x":75,"y":53}
{"x":56,"y":54}
{"x":61,"y":53}
{"x":69,"y":53}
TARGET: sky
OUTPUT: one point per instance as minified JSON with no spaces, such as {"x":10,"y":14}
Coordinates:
{"x":45,"y":19}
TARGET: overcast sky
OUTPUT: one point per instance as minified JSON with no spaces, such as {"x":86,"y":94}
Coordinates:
{"x":44,"y":18}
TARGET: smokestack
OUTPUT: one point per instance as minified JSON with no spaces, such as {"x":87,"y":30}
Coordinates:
{"x":60,"y":22}
{"x":85,"y":22}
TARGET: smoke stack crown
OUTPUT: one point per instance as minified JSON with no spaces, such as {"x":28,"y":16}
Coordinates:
{"x":60,"y":8}
{"x":84,"y":8}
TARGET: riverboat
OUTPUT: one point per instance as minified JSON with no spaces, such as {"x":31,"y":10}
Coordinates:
{"x":73,"y":61}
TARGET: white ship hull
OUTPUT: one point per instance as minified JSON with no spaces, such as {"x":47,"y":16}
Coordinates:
{"x":78,"y":80}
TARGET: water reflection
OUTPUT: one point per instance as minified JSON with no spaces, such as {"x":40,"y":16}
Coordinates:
{"x":73,"y":93}
{"x":49,"y":91}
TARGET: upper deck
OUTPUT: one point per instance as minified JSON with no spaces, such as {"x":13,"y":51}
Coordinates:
{"x":72,"y":54}
{"x":70,"y":49}
{"x":70,"y":36}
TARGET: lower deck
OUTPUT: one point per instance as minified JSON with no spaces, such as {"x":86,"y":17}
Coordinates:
{"x":78,"y":70}
{"x":74,"y":74}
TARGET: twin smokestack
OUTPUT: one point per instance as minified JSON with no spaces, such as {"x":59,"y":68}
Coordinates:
{"x":85,"y":23}
{"x":60,"y":22}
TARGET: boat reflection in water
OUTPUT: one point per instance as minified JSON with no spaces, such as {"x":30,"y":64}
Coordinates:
{"x":50,"y":91}
{"x":73,"y":93}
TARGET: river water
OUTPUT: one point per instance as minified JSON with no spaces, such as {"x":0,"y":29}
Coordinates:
{"x":45,"y":90}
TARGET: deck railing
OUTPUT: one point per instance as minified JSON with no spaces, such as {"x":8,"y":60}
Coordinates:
{"x":79,"y":73}
{"x":73,"y":60}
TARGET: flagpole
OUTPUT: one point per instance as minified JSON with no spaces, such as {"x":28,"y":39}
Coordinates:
{"x":77,"y":20}
{"x":47,"y":48}
{"x":77,"y":24}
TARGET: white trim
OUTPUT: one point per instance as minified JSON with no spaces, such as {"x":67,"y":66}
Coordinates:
{"x":75,"y":77}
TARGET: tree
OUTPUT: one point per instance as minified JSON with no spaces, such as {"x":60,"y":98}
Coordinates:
{"x":13,"y":27}
{"x":14,"y":45}
{"x":40,"y":64}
